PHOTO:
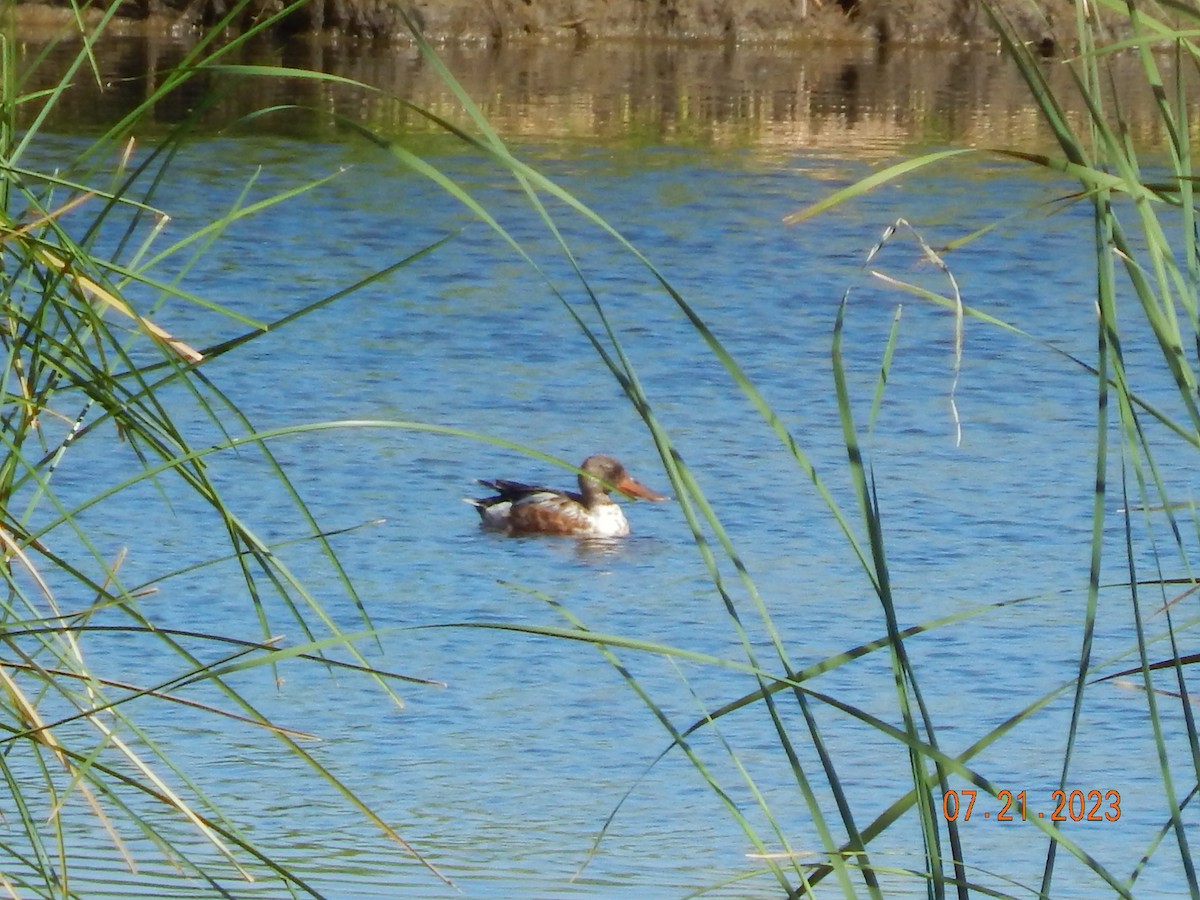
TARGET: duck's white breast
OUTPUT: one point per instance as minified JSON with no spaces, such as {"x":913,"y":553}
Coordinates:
{"x":608,"y":521}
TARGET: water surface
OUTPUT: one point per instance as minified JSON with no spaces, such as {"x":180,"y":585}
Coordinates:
{"x":505,"y":777}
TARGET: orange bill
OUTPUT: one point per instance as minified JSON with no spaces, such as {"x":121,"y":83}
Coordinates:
{"x":631,"y":488}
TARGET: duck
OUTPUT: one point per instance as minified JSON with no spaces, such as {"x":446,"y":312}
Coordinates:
{"x":523,"y":509}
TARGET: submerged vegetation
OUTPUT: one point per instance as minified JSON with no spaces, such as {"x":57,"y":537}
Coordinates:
{"x":95,"y":366}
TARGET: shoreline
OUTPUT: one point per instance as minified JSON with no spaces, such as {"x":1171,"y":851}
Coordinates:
{"x":580,"y":22}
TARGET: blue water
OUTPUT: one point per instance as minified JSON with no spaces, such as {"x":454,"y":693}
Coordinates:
{"x":504,"y":777}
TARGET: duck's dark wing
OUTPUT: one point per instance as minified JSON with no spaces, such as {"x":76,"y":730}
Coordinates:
{"x":515,"y":491}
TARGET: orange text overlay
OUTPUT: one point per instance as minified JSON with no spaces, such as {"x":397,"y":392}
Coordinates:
{"x":1069,"y":806}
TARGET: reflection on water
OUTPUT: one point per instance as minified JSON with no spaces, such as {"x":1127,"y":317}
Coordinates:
{"x":851,"y":101}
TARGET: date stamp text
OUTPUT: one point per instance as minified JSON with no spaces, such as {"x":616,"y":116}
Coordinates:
{"x":1069,"y":806}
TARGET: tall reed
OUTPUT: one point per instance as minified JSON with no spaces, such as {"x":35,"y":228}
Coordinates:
{"x":77,"y":334}
{"x":95,"y":369}
{"x":1147,"y":261}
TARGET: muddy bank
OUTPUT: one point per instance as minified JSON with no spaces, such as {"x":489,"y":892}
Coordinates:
{"x":746,"y":21}
{"x":498,"y":22}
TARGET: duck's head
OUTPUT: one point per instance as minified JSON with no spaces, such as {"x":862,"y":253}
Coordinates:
{"x":603,"y":473}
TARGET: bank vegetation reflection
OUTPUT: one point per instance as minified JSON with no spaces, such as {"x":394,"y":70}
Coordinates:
{"x":854,"y":102}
